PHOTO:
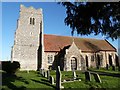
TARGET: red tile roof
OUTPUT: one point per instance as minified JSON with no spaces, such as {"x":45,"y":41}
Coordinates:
{"x":54,"y":43}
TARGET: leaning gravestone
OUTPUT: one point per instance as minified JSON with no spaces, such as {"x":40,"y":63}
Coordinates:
{"x":51,"y":79}
{"x":87,"y":76}
{"x":74,"y":75}
{"x":58,"y":78}
{"x":97,"y":77}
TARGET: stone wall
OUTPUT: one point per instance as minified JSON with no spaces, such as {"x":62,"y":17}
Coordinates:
{"x":27,"y":38}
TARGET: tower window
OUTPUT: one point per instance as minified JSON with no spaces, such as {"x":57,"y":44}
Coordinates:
{"x":32,"y":21}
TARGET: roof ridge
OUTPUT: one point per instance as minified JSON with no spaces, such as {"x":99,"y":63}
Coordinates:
{"x":74,"y":37}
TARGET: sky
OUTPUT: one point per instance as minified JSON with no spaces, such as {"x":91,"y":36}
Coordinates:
{"x":53,"y":16}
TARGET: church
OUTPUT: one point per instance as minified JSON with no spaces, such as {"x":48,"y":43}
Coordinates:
{"x":34,"y":50}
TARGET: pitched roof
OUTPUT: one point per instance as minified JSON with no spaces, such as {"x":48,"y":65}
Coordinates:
{"x":55,"y":43}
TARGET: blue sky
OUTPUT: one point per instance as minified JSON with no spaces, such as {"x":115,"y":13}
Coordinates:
{"x":54,"y":15}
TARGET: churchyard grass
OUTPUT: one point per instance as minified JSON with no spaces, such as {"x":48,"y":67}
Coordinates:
{"x":33,"y":79}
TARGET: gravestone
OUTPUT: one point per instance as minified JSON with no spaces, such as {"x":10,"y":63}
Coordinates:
{"x":51,"y":79}
{"x":98,"y":67}
{"x":48,"y":74}
{"x":87,"y":76}
{"x":58,"y":78}
{"x":113,"y":68}
{"x":42,"y":72}
{"x":45,"y":74}
{"x":74,"y":75}
{"x":118,"y":68}
{"x":107,"y":66}
{"x":97,"y":77}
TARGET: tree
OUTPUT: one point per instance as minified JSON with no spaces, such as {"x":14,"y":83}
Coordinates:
{"x":93,"y":17}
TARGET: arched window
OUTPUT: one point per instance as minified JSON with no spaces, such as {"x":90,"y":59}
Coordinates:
{"x":73,"y":63}
{"x":50,"y":59}
{"x":32,"y":21}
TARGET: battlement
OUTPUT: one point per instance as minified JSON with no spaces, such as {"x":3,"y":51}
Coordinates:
{"x":30,"y":9}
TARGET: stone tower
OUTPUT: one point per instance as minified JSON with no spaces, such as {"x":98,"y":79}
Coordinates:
{"x":28,"y":45}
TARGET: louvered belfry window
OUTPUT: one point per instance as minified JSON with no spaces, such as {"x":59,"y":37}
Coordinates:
{"x":32,"y":21}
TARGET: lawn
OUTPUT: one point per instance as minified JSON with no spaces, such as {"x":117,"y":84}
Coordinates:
{"x":33,"y":79}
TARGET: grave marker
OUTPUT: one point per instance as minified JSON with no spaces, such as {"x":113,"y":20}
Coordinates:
{"x":97,"y":77}
{"x":87,"y":76}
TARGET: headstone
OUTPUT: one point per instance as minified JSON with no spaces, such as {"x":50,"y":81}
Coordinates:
{"x":48,"y":74}
{"x":98,"y":67}
{"x":74,"y":75}
{"x":51,"y":79}
{"x":118,"y":68}
{"x":87,"y":76}
{"x":97,"y":77}
{"x":107,"y":66}
{"x":42,"y":72}
{"x":45,"y":74}
{"x":58,"y":78}
{"x":113,"y":68}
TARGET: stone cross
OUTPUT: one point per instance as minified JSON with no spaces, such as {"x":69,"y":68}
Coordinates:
{"x":74,"y":75}
{"x":87,"y":76}
{"x":58,"y":78}
{"x":51,"y":79}
{"x":97,"y":77}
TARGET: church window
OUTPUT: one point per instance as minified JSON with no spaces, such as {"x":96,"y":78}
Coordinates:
{"x":32,"y":21}
{"x":92,"y":58}
{"x":50,"y":58}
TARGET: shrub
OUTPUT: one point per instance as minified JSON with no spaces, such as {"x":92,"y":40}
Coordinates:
{"x":10,"y":67}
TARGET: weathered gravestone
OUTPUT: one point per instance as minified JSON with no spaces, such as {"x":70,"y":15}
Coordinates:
{"x":98,"y":67}
{"x":97,"y":77}
{"x":74,"y":75}
{"x":118,"y":68}
{"x":48,"y":74}
{"x":107,"y":66}
{"x":45,"y":74}
{"x":42,"y":72}
{"x":87,"y":76}
{"x":51,"y":79}
{"x":58,"y":78}
{"x":113,"y":68}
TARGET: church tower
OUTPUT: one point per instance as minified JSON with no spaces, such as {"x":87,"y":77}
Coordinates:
{"x":28,"y":45}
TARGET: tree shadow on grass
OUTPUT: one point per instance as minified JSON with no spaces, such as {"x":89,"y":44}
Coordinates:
{"x":8,"y":79}
{"x":43,"y":82}
{"x":105,"y":73}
